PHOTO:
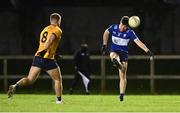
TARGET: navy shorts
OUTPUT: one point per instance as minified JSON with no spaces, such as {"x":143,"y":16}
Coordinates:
{"x":43,"y":63}
{"x":122,"y":55}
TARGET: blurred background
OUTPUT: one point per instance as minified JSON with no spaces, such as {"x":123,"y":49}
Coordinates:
{"x":22,"y":21}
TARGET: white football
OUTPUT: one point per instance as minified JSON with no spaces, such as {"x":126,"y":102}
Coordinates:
{"x":134,"y":21}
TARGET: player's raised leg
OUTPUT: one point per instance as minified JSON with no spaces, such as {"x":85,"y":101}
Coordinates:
{"x":57,"y":78}
{"x":123,"y":80}
{"x":30,"y":79}
{"x":115,"y":60}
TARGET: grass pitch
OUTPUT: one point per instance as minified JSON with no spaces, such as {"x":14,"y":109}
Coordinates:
{"x":90,"y":103}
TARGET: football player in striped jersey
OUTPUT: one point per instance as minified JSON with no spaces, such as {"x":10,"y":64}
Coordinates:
{"x":121,"y":34}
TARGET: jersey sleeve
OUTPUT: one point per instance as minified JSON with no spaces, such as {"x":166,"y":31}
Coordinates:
{"x":133,"y":35}
{"x":110,"y":29}
{"x":57,"y":32}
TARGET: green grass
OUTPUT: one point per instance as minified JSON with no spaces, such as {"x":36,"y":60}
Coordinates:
{"x":85,"y":103}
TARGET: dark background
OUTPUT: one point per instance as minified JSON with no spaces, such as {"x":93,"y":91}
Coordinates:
{"x":22,"y":20}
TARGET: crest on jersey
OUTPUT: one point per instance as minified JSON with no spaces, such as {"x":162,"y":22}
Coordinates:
{"x":114,"y":32}
{"x":124,"y":35}
{"x":115,"y":27}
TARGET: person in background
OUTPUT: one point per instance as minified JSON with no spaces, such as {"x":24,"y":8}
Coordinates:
{"x":82,"y":68}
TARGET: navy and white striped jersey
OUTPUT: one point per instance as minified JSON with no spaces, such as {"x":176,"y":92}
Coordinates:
{"x":120,"y":39}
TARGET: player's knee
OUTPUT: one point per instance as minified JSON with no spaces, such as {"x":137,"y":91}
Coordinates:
{"x":122,"y":77}
{"x":57,"y":81}
{"x":113,"y":55}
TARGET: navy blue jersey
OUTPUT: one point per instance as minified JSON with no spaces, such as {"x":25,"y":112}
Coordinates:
{"x":120,"y":39}
{"x":82,"y":61}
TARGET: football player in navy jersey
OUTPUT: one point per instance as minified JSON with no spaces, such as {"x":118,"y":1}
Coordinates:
{"x":121,"y":34}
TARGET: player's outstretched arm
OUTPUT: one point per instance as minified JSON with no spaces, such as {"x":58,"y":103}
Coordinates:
{"x":143,"y":47}
{"x":105,"y":41}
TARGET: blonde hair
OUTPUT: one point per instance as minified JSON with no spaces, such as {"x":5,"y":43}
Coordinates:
{"x":55,"y":15}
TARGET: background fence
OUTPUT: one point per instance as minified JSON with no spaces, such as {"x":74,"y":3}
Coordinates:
{"x":104,"y":68}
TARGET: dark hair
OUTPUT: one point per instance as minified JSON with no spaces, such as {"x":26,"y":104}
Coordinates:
{"x":124,"y":20}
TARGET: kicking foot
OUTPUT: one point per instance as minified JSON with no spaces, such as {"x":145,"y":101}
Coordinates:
{"x":11,"y":91}
{"x":116,"y":63}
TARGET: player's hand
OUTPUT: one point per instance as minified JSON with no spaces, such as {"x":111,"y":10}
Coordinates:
{"x":150,"y":54}
{"x":42,"y":53}
{"x":104,"y":50}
